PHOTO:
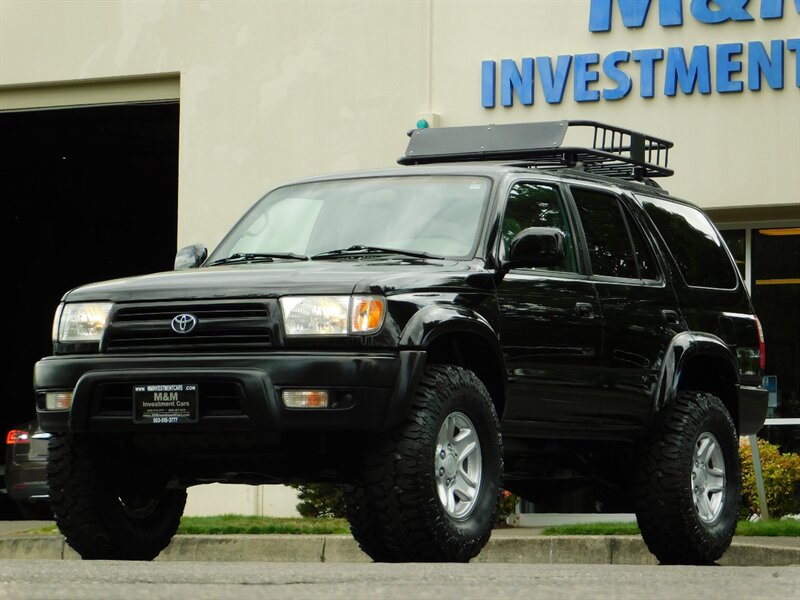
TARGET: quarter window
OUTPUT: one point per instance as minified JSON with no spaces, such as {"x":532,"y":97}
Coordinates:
{"x":694,"y":243}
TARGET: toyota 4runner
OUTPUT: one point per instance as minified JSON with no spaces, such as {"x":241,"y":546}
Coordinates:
{"x":505,"y":310}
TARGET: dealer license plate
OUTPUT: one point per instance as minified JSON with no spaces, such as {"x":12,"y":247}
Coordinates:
{"x":165,"y":403}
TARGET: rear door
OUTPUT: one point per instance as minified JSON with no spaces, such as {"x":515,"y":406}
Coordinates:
{"x":639,"y":307}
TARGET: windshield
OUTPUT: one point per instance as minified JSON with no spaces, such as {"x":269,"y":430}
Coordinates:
{"x":437,"y":215}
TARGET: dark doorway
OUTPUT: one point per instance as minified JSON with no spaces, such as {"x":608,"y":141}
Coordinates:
{"x":92,"y":194}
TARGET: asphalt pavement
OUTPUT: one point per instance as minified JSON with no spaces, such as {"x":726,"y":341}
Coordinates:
{"x":510,"y":545}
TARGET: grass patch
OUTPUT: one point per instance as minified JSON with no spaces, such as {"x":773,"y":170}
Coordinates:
{"x":593,"y":529}
{"x":239,"y":524}
{"x":771,"y":528}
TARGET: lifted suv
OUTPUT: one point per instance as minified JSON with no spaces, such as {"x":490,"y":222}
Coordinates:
{"x":510,"y":311}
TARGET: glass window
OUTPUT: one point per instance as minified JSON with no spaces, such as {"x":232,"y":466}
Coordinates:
{"x":440,"y":215}
{"x":693,"y":242}
{"x":610,"y":249}
{"x":537,"y":205}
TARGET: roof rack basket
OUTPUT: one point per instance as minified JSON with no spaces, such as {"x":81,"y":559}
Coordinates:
{"x":615,"y":152}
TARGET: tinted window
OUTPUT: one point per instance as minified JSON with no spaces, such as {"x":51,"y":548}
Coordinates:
{"x":610,"y":249}
{"x":537,"y":205}
{"x":693,"y":242}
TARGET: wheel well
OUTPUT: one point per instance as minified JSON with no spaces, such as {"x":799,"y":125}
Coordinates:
{"x":473,"y":352}
{"x":714,"y":375}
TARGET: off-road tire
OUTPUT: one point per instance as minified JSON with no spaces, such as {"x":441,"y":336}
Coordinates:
{"x":664,"y":488}
{"x":364,"y":522}
{"x":406,"y":521}
{"x":90,"y":512}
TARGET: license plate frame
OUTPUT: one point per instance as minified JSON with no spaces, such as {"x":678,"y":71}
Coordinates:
{"x":165,"y":403}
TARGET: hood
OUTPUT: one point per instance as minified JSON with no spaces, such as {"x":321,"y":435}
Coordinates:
{"x":265,"y":280}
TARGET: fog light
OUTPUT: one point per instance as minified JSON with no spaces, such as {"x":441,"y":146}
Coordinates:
{"x":58,"y":400}
{"x":305,"y":398}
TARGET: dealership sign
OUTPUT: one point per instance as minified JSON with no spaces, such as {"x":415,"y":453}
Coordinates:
{"x":725,"y":68}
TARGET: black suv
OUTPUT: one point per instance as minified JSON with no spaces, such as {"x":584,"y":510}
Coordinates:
{"x":509,"y":311}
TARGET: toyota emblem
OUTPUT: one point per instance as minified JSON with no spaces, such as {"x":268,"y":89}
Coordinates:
{"x":183,"y":323}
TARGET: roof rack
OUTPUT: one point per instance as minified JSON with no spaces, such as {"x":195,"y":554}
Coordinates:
{"x":615,"y":152}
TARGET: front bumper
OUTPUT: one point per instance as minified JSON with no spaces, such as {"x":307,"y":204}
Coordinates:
{"x":236,"y":392}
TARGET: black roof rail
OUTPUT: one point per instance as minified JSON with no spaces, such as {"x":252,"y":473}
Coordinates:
{"x":614,"y":151}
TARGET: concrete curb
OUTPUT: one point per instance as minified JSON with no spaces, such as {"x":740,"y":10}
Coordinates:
{"x":619,"y":550}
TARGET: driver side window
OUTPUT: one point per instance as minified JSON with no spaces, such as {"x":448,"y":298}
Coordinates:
{"x":537,"y":205}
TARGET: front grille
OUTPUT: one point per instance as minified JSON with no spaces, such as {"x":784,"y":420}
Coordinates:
{"x":220,"y":327}
{"x":215,"y":398}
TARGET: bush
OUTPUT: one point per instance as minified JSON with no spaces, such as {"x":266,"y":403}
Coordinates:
{"x":320,"y":500}
{"x":506,"y":505}
{"x":325,"y":500}
{"x":781,"y":481}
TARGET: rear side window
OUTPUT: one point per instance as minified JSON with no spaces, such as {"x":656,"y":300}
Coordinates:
{"x":694,"y":243}
{"x":616,"y":246}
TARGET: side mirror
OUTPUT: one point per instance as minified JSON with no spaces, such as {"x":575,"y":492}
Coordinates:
{"x":190,"y":257}
{"x":537,"y":247}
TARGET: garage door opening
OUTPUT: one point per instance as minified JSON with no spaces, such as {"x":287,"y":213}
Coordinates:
{"x":92,"y":194}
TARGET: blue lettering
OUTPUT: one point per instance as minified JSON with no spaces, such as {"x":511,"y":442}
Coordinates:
{"x":773,"y":9}
{"x":620,"y":77}
{"x":554,"y":84}
{"x":634,"y":13}
{"x":793,"y":45}
{"x":759,"y":63}
{"x":726,"y":67}
{"x":488,"y":70}
{"x":583,"y":76}
{"x":511,"y":79}
{"x":726,"y":10}
{"x":647,"y":60}
{"x":696,"y":73}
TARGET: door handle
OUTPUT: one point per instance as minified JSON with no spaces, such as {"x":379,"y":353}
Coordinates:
{"x":671,"y":317}
{"x":584,"y":310}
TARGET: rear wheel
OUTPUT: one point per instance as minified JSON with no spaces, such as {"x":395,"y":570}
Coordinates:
{"x":430,"y":486}
{"x":688,"y":482}
{"x":105,"y":513}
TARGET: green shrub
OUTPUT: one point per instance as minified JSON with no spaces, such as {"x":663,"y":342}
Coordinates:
{"x":781,"y":481}
{"x":325,"y":500}
{"x":320,"y":500}
{"x":506,"y":505}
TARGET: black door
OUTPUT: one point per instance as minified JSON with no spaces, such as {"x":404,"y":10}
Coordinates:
{"x":640,"y":310}
{"x":550,"y":322}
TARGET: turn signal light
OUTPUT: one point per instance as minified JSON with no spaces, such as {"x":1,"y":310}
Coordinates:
{"x":17,"y":436}
{"x":367,"y":313}
{"x":305,"y":398}
{"x":58,"y":400}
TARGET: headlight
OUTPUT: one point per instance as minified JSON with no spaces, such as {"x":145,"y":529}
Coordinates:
{"x":83,"y":322}
{"x":332,"y":315}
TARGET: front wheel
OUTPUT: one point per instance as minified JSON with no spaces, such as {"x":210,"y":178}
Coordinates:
{"x":688,"y":482}
{"x":431,"y":485}
{"x":104,"y":511}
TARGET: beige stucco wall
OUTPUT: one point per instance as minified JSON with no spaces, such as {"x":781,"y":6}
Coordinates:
{"x":275,"y":90}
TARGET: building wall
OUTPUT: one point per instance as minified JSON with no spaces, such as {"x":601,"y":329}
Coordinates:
{"x":273,"y":91}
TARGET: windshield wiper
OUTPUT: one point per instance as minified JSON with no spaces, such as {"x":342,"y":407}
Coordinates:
{"x":256,"y":257}
{"x":360,"y":249}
